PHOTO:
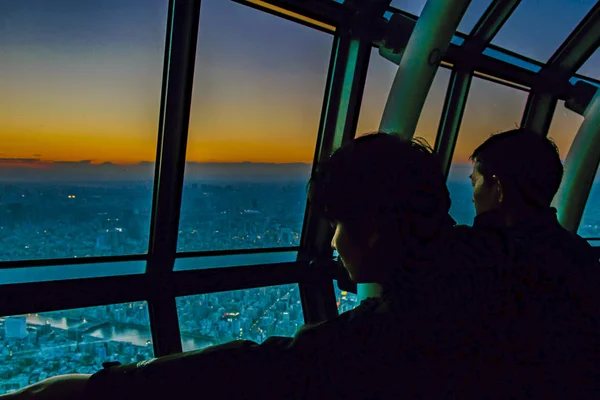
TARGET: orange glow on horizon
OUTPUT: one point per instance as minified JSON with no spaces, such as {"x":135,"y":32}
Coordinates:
{"x":87,"y":89}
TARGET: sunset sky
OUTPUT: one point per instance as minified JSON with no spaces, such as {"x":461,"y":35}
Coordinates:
{"x":80,"y":82}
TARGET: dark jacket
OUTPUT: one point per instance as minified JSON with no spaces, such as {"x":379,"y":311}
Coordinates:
{"x":545,"y":310}
{"x":407,"y":343}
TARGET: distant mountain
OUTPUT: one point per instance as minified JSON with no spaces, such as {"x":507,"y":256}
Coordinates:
{"x":33,"y":170}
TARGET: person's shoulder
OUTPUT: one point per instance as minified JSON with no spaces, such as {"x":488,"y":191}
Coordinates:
{"x":579,"y":248}
{"x":563,"y":243}
{"x":478,"y":244}
{"x":346,"y":324}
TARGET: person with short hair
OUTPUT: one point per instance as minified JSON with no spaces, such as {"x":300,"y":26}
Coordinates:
{"x":387,"y":203}
{"x":546,"y":301}
{"x":515,"y":173}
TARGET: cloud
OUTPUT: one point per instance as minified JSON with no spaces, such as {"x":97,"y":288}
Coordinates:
{"x":19,"y":160}
{"x":85,"y":162}
{"x":36,"y":155}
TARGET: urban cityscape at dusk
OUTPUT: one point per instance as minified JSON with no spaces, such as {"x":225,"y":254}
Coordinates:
{"x":78,"y":134}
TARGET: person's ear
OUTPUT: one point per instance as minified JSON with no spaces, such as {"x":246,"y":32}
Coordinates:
{"x":499,"y":189}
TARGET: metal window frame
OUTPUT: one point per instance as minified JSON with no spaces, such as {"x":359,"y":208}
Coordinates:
{"x":176,"y":102}
{"x":160,"y":285}
{"x":48,"y":296}
{"x":455,"y":103}
{"x":562,"y":65}
{"x":339,"y":118}
{"x":581,"y":167}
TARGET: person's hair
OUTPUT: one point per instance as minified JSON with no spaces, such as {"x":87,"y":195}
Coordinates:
{"x":384,"y":177}
{"x":527,"y":165}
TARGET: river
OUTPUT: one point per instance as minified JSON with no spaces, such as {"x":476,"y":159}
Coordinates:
{"x":138,"y":337}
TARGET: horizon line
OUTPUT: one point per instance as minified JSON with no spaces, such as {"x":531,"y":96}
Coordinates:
{"x":24,"y":161}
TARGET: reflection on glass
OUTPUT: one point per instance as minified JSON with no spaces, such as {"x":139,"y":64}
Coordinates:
{"x":256,"y":107}
{"x":576,"y":79}
{"x":564,"y":127}
{"x":380,"y":76}
{"x":590,"y":221}
{"x":345,"y":301}
{"x":491,"y":108}
{"x":37,"y":346}
{"x":9,"y":276}
{"x":499,"y":55}
{"x":250,"y":314}
{"x":457,"y":40}
{"x":537,"y":28}
{"x":234,"y":260}
{"x":80,"y":87}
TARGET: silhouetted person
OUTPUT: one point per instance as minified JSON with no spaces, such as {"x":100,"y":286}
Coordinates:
{"x":388,"y":204}
{"x":547,"y":300}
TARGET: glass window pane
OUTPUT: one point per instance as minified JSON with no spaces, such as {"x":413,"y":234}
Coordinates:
{"x":249,"y":314}
{"x":37,"y":346}
{"x":10,"y":276}
{"x":564,"y":127}
{"x":256,"y":108}
{"x":345,"y":301}
{"x":590,"y":221}
{"x":474,"y":11}
{"x":380,"y":76}
{"x":472,"y":15}
{"x":491,"y":108}
{"x":591,"y":68}
{"x":537,"y":28}
{"x":80,"y":88}
{"x":234,"y":260}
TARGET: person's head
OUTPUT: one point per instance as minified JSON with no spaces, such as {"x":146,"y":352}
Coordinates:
{"x":515,"y":171}
{"x":385,"y":197}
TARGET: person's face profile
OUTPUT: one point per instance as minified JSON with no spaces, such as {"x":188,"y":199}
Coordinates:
{"x":486,"y":195}
{"x":357,"y":246}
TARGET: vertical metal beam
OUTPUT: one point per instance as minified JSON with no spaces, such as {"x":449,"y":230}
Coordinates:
{"x":539,"y":110}
{"x":429,"y":41}
{"x":580,"y":169}
{"x":452,"y":114}
{"x":492,"y":20}
{"x":578,"y":47}
{"x":425,"y":49}
{"x":460,"y":82}
{"x":571,"y":54}
{"x":180,"y":56}
{"x":349,"y":64}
